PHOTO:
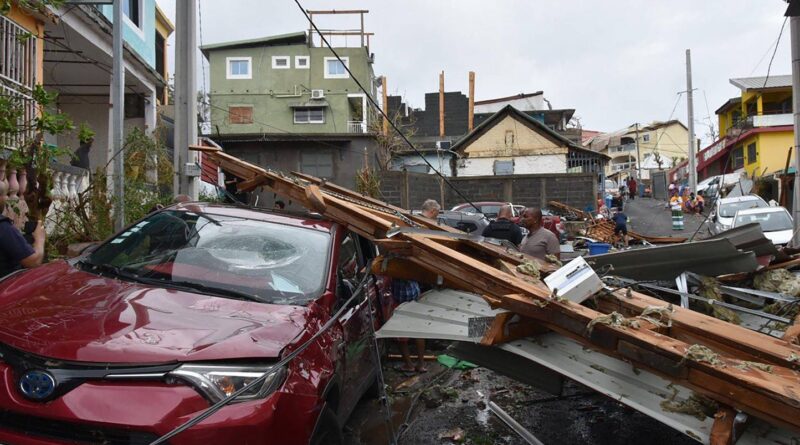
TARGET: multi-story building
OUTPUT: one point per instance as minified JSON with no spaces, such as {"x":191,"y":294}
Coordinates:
{"x":283,"y":103}
{"x":755,"y":129}
{"x":654,"y":146}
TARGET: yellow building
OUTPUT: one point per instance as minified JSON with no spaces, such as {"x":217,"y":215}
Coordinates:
{"x":658,"y":145}
{"x":755,"y":128}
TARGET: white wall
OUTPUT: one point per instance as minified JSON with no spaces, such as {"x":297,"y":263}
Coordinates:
{"x":522,"y":165}
{"x":526,"y":104}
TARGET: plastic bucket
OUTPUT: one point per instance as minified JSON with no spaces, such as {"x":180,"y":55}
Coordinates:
{"x":599,"y":248}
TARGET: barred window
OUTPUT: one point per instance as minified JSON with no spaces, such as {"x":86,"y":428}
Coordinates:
{"x":18,"y":77}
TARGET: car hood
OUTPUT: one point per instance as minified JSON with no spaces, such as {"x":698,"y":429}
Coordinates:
{"x":779,"y":237}
{"x":60,"y":312}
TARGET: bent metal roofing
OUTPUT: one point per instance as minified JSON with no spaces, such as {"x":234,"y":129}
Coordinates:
{"x":281,"y":39}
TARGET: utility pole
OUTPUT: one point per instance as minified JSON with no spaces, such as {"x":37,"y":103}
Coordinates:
{"x":794,"y":26}
{"x":471,"y":115}
{"x":690,"y":103}
{"x":638,"y":156}
{"x":441,"y":105}
{"x":186,"y":98}
{"x":117,"y":117}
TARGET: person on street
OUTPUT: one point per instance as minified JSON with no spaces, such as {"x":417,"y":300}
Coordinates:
{"x":503,"y":227}
{"x":408,"y":290}
{"x":15,"y":252}
{"x":621,"y":225}
{"x":539,"y":242}
{"x":632,"y":190}
{"x":676,"y":204}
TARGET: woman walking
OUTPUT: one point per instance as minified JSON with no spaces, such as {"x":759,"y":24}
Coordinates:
{"x":676,"y":204}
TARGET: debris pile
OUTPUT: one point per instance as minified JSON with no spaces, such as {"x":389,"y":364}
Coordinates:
{"x":696,"y":351}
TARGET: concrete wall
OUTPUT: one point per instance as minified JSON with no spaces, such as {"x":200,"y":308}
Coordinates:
{"x":141,"y":39}
{"x":523,"y":165}
{"x":272,"y":92}
{"x":410,"y":190}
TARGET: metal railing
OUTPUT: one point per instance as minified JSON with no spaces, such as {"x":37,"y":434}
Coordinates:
{"x":624,"y":148}
{"x":356,"y":127}
{"x":18,"y":77}
{"x":622,"y":166}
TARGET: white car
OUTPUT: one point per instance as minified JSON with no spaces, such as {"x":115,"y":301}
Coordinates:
{"x":776,"y":223}
{"x":725,"y":210}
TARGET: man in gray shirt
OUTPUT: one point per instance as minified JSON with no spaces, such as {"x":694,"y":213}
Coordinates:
{"x":539,"y":242}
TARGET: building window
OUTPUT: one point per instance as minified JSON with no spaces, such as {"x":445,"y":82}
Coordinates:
{"x":319,"y":164}
{"x":752,"y":154}
{"x":646,"y":138}
{"x":309,"y":115}
{"x":503,"y":167}
{"x":334,"y":69}
{"x":509,"y":138}
{"x":302,"y":62}
{"x":131,"y":10}
{"x":737,"y":156}
{"x":242,"y":114}
{"x":280,"y":62}
{"x":18,"y":79}
{"x":239,"y":67}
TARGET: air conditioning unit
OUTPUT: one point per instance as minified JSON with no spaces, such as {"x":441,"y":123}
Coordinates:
{"x":443,"y":145}
{"x":318,"y":94}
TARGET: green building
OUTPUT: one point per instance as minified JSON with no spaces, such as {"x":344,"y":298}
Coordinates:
{"x":285,"y":104}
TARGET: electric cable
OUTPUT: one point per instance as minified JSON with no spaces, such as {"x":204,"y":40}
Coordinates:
{"x":374,"y":103}
{"x":777,"y":44}
{"x":289,"y":357}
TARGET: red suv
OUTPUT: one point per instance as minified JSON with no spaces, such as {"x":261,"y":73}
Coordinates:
{"x":180,"y":310}
{"x":490,"y":209}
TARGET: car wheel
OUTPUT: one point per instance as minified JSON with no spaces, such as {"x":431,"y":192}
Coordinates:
{"x":329,"y":432}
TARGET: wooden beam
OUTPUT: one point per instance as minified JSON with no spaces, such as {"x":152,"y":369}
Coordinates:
{"x":441,"y":104}
{"x":471,"y":115}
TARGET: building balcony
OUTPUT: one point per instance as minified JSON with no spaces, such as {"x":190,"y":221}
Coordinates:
{"x":771,"y":120}
{"x":359,"y":127}
{"x":624,"y":148}
{"x":622,"y":166}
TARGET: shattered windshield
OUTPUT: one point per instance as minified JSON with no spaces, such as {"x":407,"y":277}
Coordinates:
{"x":728,"y":210}
{"x":263,"y":261}
{"x":770,"y":222}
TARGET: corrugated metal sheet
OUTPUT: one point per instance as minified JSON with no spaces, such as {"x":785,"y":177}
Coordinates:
{"x":756,"y":83}
{"x":445,"y":314}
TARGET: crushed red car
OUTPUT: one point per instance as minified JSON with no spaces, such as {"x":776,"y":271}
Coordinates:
{"x":177,"y":312}
{"x":490,"y":209}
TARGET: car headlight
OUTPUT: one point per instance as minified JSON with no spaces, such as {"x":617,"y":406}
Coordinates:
{"x":217,"y":382}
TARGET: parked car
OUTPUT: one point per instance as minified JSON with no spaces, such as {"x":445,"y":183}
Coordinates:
{"x":776,"y":222}
{"x":490,"y":209}
{"x":725,"y":209}
{"x":178,"y":311}
{"x":465,"y":221}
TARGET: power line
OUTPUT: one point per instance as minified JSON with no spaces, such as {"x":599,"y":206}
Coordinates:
{"x":777,"y":44}
{"x":377,"y":107}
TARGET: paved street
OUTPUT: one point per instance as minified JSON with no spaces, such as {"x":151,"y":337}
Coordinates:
{"x":650,"y":217}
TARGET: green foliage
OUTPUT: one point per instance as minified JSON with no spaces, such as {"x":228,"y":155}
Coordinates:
{"x":29,"y":5}
{"x":85,"y":133}
{"x":89,"y":218}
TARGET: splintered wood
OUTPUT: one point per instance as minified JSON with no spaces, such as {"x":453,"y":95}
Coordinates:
{"x":725,"y":373}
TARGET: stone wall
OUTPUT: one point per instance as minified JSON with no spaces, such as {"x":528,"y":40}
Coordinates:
{"x":409,"y":190}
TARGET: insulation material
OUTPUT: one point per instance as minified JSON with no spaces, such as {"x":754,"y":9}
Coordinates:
{"x":778,"y":280}
{"x":709,"y":288}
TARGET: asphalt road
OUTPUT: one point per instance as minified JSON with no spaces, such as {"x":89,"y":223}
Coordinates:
{"x":651,"y":217}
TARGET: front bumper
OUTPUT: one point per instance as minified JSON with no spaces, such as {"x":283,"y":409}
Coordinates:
{"x":132,"y":413}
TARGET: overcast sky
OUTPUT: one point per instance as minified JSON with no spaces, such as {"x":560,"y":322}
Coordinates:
{"x":615,"y":62}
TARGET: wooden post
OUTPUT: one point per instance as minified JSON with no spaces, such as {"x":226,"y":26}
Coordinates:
{"x":385,"y":106}
{"x":362,"y":29}
{"x":404,"y":198}
{"x":471,"y":100}
{"x":441,"y":104}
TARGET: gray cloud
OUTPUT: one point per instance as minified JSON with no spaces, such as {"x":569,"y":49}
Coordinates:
{"x":616,"y":61}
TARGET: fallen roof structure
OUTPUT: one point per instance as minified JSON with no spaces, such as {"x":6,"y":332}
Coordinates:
{"x":701,"y":353}
{"x":445,"y":314}
{"x":709,"y":258}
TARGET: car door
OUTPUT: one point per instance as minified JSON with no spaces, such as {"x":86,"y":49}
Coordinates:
{"x":355,"y":350}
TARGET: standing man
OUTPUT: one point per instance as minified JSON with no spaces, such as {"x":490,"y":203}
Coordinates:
{"x":632,"y":188}
{"x":409,"y":290}
{"x":503,"y":227}
{"x":539,"y":242}
{"x":15,"y":252}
